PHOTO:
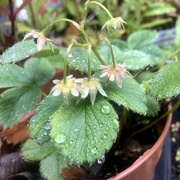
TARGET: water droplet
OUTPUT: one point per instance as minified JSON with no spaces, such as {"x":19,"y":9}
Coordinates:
{"x":101,"y":160}
{"x":70,"y":56}
{"x":106,"y":109}
{"x":76,"y":130}
{"x":94,"y":150}
{"x":59,"y":138}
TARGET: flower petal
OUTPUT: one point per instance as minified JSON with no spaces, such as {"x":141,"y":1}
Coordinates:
{"x":93,"y":93}
{"x":56,"y":81}
{"x":74,"y":92}
{"x":56,"y":92}
{"x":40,"y":43}
{"x":85,"y":92}
{"x":111,"y":77}
{"x":101,"y":90}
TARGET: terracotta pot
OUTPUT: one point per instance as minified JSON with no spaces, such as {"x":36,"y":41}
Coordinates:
{"x":143,"y":167}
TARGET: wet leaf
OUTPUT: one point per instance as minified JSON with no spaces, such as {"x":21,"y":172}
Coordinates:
{"x":39,"y":122}
{"x":38,"y":70}
{"x":78,"y":58}
{"x":84,"y":132}
{"x":52,"y":165}
{"x":16,"y":102}
{"x":19,"y":52}
{"x":134,"y":59}
{"x":12,"y":75}
{"x":141,"y":38}
{"x":166,"y":82}
{"x":34,"y":152}
{"x":131,"y":95}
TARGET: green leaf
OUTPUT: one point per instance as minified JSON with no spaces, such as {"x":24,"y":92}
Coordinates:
{"x":153,"y":106}
{"x":159,"y":8}
{"x":156,"y":22}
{"x":38,"y":70}
{"x":177,"y":37}
{"x":84,"y":132}
{"x":78,"y":58}
{"x":141,"y":38}
{"x":39,"y":122}
{"x":131,"y":95}
{"x":51,"y":166}
{"x":19,"y":52}
{"x":56,"y":61}
{"x":12,"y":75}
{"x":119,"y":43}
{"x":105,"y":54}
{"x":34,"y":152}
{"x":166,"y":82}
{"x":134,"y":59}
{"x":156,"y":54}
{"x":16,"y":102}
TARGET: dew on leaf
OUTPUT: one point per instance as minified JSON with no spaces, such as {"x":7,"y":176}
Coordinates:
{"x":59,"y":138}
{"x":70,"y":56}
{"x":106,"y":109}
{"x":101,"y":160}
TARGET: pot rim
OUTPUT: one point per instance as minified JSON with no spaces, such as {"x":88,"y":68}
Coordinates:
{"x":146,"y":154}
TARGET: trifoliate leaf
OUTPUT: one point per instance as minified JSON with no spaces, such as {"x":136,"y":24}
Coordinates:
{"x":16,"y":102}
{"x":141,"y":38}
{"x":131,"y":95}
{"x":12,"y":75}
{"x":34,"y":152}
{"x":40,"y":121}
{"x":51,"y":166}
{"x":156,"y":54}
{"x":166,"y":82}
{"x":19,"y":52}
{"x":104,"y":51}
{"x":38,"y":70}
{"x":78,"y":59}
{"x":84,"y":132}
{"x":122,"y":45}
{"x":134,"y":59}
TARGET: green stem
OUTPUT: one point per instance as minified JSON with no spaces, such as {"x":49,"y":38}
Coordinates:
{"x":98,"y":55}
{"x":111,"y":51}
{"x":89,"y":62}
{"x":102,"y":6}
{"x":88,"y":40}
{"x":66,"y":63}
{"x":157,"y":120}
{"x":174,"y":53}
{"x":59,"y":20}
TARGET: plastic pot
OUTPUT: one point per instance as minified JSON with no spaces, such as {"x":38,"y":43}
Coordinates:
{"x":143,"y":168}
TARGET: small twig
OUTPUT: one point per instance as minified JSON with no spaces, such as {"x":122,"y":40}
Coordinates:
{"x":4,"y":11}
{"x":141,"y":71}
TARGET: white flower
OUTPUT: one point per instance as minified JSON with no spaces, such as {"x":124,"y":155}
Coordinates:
{"x":116,"y":73}
{"x":91,"y":87}
{"x":41,"y":39}
{"x":70,"y":87}
{"x":115,"y":23}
